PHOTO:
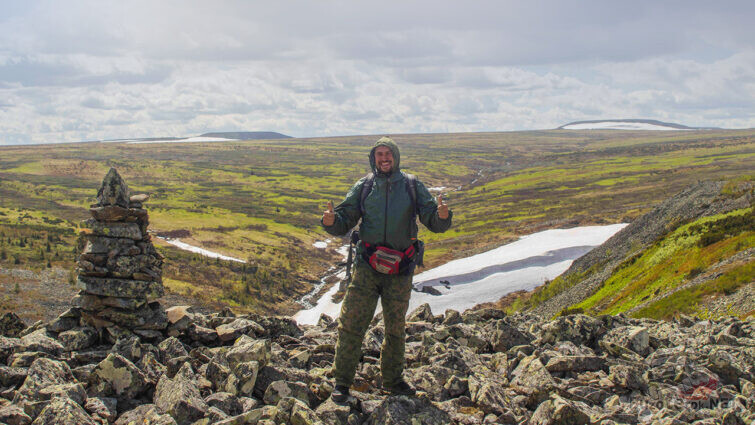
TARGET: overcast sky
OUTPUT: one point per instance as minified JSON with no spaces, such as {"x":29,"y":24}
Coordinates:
{"x":91,"y":70}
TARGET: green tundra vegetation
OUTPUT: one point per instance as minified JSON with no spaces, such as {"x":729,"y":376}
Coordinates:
{"x":260,"y":200}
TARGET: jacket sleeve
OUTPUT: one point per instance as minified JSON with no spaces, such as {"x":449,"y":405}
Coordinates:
{"x":347,"y":212}
{"x":428,"y":211}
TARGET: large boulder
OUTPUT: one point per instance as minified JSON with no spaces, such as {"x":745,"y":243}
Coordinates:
{"x":532,"y":379}
{"x":118,"y":377}
{"x":249,"y":349}
{"x":634,"y":338}
{"x":237,"y":328}
{"x":409,"y":411}
{"x":578,"y":328}
{"x":39,"y":341}
{"x":559,"y":411}
{"x":11,"y":325}
{"x":146,"y":414}
{"x":62,"y":410}
{"x":43,"y":373}
{"x":180,"y":397}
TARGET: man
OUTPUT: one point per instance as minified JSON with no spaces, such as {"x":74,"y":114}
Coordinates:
{"x":388,"y":233}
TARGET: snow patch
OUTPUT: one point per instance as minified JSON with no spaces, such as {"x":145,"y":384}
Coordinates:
{"x":617,"y":125}
{"x":464,"y":283}
{"x":436,"y":189}
{"x":196,"y":139}
{"x":201,"y":251}
{"x":320,"y":244}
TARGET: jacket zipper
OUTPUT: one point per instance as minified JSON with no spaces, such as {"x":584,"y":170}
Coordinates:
{"x":385,"y":217}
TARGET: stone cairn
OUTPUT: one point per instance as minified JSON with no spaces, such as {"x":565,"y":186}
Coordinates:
{"x":119,"y":270}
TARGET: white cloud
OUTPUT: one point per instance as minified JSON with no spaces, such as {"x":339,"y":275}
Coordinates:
{"x":96,"y":70}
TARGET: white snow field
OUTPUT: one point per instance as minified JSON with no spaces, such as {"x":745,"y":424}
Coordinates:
{"x":488,"y":276}
{"x":196,"y":139}
{"x":201,"y":251}
{"x":617,"y":125}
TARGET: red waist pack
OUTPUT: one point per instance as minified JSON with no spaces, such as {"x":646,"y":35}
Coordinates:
{"x":388,"y":261}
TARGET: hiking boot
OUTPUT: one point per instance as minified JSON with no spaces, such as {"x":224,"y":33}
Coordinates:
{"x":340,"y":394}
{"x":400,"y":388}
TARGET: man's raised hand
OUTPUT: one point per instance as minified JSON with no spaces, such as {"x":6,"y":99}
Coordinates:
{"x":442,"y":208}
{"x":328,"y":216}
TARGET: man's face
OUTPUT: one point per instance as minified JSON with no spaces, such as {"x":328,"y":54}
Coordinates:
{"x":384,"y":158}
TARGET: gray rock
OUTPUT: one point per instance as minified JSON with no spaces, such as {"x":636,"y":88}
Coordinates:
{"x":11,"y":325}
{"x":452,"y":317}
{"x":226,"y":402}
{"x":333,"y":414}
{"x":575,"y":364}
{"x":506,"y":336}
{"x":630,"y":377}
{"x":114,"y":230}
{"x":42,"y":374}
{"x":237,"y":328}
{"x":146,"y":414}
{"x":249,"y":349}
{"x":408,"y":410}
{"x":123,"y":288}
{"x":14,"y":415}
{"x":118,"y":377}
{"x":171,"y":348}
{"x":113,"y":190}
{"x":577,"y":328}
{"x":532,"y":379}
{"x":278,"y":390}
{"x":63,"y":411}
{"x":246,"y":377}
{"x":78,"y":339}
{"x":180,"y":397}
{"x":423,"y":313}
{"x":633,"y":338}
{"x":12,"y":376}
{"x":102,"y":407}
{"x":295,"y":412}
{"x":8,"y":346}
{"x":559,"y":411}
{"x":40,"y":341}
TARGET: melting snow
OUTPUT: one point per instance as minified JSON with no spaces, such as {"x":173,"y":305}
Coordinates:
{"x":200,"y":251}
{"x":524,"y":264}
{"x":617,"y":125}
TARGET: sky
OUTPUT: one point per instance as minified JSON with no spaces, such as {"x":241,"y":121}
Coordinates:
{"x":97,"y":70}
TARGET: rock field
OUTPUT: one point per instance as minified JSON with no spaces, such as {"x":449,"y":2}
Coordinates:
{"x":472,"y":368}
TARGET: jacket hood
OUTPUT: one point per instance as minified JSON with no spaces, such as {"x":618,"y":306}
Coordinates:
{"x":386,"y":141}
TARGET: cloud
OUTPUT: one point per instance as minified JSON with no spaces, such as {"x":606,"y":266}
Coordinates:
{"x":85,"y":70}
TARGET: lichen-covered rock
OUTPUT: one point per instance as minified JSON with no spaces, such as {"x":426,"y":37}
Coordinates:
{"x":78,"y":339}
{"x":146,"y":414}
{"x":63,"y":411}
{"x":248,"y":350}
{"x":180,"y":397}
{"x":333,"y":413}
{"x":118,"y":377}
{"x":14,"y":415}
{"x":575,"y":364}
{"x":237,"y":328}
{"x":295,"y":412}
{"x":42,"y":374}
{"x":506,"y":336}
{"x":559,"y":411}
{"x":630,"y":377}
{"x":123,"y":288}
{"x":226,"y":402}
{"x":8,"y":346}
{"x":12,"y":376}
{"x":246,"y":377}
{"x":532,"y":379}
{"x":171,"y":348}
{"x":577,"y":328}
{"x":423,"y":313}
{"x":281,"y":389}
{"x":11,"y":325}
{"x":634,"y":338}
{"x":102,"y":407}
{"x":41,"y":342}
{"x":409,"y":411}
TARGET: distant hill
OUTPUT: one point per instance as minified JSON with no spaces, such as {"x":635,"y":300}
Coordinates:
{"x":628,"y":124}
{"x":247,"y":135}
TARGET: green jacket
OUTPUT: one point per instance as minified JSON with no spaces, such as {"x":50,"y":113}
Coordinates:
{"x":387,"y":219}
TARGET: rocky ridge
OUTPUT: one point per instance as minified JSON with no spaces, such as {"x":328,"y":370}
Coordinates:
{"x":591,"y":270}
{"x":472,"y":368}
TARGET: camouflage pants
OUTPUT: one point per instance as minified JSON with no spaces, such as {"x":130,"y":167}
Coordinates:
{"x":357,"y":311}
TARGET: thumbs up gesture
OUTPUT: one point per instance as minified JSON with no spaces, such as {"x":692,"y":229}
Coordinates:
{"x":442,"y":208}
{"x":329,"y":216}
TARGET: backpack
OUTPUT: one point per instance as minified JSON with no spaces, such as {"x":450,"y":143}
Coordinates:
{"x":411,"y":187}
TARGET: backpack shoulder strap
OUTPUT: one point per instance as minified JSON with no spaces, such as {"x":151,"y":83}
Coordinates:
{"x":411,"y":187}
{"x":366,"y":188}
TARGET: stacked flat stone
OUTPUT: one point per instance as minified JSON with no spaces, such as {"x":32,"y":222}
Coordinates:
{"x":119,"y":270}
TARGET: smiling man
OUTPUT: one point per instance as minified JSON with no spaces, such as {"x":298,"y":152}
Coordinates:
{"x":388,"y":201}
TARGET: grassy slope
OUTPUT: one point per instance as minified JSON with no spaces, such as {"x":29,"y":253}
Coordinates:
{"x":673,"y":261}
{"x":258,"y":199}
